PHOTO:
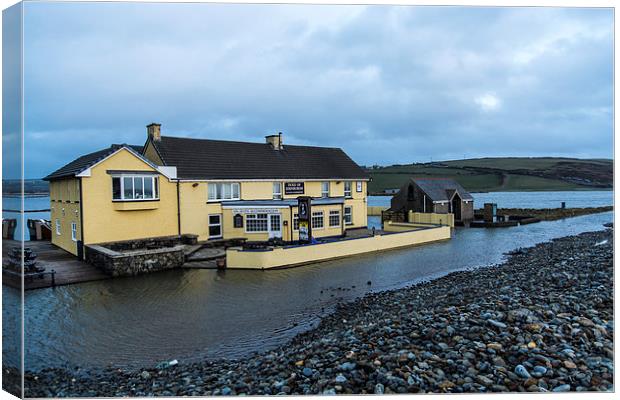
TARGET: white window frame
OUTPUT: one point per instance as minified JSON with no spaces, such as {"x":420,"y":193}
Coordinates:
{"x":154,"y":186}
{"x":295,"y":222}
{"x":212,"y":197}
{"x":317,"y":214}
{"x":74,"y":231}
{"x":58,"y":227}
{"x":249,"y":217}
{"x":348,"y":192}
{"x":332,"y":214}
{"x":349,"y":214}
{"x":210,"y":225}
{"x":277,"y":195}
{"x":359,"y":186}
{"x":325,"y":193}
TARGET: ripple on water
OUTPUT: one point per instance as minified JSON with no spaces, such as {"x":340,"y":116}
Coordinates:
{"x":188,"y":314}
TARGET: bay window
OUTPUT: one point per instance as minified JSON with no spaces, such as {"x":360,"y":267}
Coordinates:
{"x":135,"y":187}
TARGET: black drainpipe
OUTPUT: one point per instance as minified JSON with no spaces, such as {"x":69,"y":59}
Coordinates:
{"x":81,"y":253}
{"x":178,"y":208}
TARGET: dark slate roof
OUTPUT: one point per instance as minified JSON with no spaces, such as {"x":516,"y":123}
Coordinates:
{"x":81,"y":163}
{"x":441,"y":189}
{"x":220,"y":159}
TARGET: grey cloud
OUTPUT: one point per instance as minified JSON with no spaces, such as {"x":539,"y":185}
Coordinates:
{"x":388,"y":84}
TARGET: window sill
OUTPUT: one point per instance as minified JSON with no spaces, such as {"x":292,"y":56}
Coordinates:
{"x":132,"y":205}
{"x":221,"y":201}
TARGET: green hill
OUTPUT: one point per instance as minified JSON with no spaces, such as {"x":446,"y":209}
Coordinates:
{"x":503,"y":174}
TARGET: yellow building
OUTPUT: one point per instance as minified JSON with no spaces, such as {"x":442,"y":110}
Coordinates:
{"x":211,"y":188}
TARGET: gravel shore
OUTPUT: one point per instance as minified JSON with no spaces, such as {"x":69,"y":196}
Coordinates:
{"x":541,"y":321}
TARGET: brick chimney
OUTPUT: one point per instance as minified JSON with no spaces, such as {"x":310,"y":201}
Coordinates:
{"x":154,"y":132}
{"x":275,"y":141}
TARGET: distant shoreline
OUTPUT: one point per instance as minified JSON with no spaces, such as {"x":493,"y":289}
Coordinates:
{"x":17,"y":195}
{"x":611,"y":189}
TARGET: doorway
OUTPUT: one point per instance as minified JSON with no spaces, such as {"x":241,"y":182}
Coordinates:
{"x":456,"y":206}
{"x":275,"y":226}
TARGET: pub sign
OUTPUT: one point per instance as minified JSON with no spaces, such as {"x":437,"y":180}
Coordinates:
{"x":303,"y":214}
{"x":293,"y":188}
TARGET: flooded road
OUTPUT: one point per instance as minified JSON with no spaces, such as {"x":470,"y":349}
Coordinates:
{"x":190,"y":314}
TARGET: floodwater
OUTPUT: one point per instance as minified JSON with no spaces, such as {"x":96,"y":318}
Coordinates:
{"x":193,"y":314}
{"x":577,"y":199}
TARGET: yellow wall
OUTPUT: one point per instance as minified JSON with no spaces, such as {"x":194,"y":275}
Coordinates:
{"x":151,"y":154}
{"x":195,"y":209}
{"x":376,"y":210}
{"x":65,"y":207}
{"x":106,"y":221}
{"x":282,"y":256}
{"x":431,"y":218}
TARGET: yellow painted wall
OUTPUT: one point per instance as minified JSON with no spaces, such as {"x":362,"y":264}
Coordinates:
{"x":195,"y":209}
{"x":282,"y":256}
{"x":65,"y":207}
{"x":376,"y":210}
{"x":431,"y":218}
{"x":151,"y":154}
{"x":106,"y":221}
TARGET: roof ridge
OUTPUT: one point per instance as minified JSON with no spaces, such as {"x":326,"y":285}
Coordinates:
{"x":245,"y":142}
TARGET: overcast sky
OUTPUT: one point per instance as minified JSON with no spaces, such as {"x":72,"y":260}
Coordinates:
{"x":387,"y":84}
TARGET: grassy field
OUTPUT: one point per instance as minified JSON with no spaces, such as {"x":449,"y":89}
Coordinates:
{"x":503,"y":174}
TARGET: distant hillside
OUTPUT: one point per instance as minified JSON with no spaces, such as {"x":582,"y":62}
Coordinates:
{"x":31,"y":186}
{"x":503,"y":174}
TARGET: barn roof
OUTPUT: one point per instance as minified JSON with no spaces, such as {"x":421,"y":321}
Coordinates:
{"x":441,"y":189}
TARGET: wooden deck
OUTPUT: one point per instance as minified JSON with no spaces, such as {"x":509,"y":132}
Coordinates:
{"x":68,"y":268}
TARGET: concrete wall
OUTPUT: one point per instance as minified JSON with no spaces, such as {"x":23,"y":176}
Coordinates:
{"x":296,"y":255}
{"x":431,"y":218}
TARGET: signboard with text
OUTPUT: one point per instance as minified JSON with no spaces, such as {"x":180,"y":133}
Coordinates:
{"x":294,"y":188}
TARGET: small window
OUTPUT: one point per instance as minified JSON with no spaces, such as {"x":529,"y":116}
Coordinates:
{"x":334,"y":218}
{"x":215,"y":226}
{"x":324,"y":189}
{"x":347,"y":189}
{"x":256,"y":223}
{"x":348,"y":215}
{"x":58,"y":227}
{"x":317,"y":220}
{"x":295,"y":222}
{"x":116,"y":188}
{"x":74,"y":231}
{"x":277,"y":191}
{"x":359,"y":186}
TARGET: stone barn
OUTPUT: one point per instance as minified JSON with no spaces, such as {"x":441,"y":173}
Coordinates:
{"x":434,"y":195}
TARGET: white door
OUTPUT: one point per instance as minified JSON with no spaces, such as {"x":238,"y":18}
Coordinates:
{"x":275,"y":226}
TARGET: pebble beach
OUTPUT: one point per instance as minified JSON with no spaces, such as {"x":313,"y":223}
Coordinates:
{"x":542,"y":321}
